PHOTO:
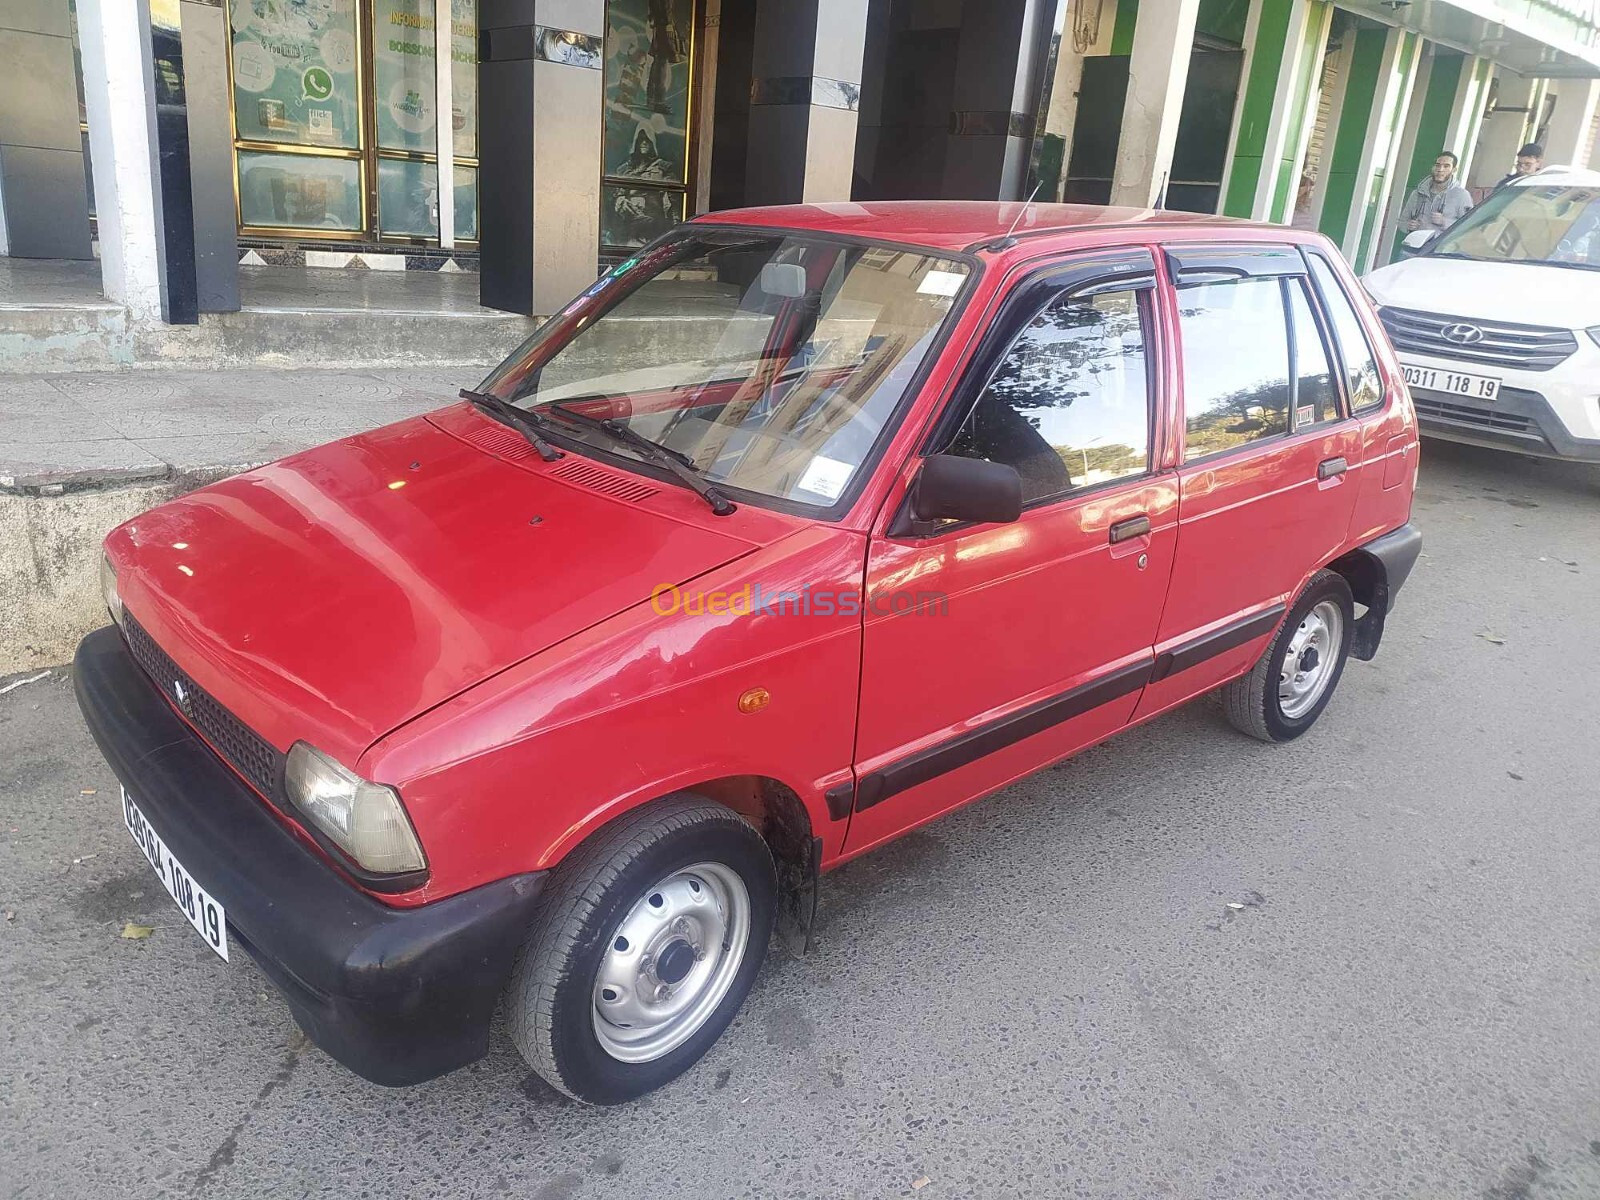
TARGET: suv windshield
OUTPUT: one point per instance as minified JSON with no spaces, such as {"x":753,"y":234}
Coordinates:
{"x":1555,"y":224}
{"x":769,"y":362}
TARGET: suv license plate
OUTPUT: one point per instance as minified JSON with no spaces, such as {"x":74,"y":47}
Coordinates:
{"x":1454,"y":383}
{"x":204,"y":913}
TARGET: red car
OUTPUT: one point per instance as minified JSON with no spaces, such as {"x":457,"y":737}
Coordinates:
{"x":800,"y":528}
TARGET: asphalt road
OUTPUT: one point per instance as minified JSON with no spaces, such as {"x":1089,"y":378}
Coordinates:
{"x":1048,"y":994}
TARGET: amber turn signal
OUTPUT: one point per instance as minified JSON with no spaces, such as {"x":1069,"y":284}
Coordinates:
{"x":754,"y":700}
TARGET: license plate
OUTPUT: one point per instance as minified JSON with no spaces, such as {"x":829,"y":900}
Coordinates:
{"x":1455,"y":383}
{"x":193,"y":901}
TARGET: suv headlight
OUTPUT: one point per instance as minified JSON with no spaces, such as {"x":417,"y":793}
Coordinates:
{"x":1594,"y":332}
{"x":108,"y":587}
{"x":366,"y":820}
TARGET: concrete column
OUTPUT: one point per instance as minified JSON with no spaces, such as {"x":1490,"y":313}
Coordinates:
{"x":805,"y":90}
{"x":1566,"y":141}
{"x":44,"y":205}
{"x":444,"y":103}
{"x":114,"y":36}
{"x":540,"y":145}
{"x":1382,"y":75}
{"x":1466,"y":111}
{"x":1162,"y":42}
{"x":210,"y":137}
{"x":1284,"y":49}
{"x":1505,"y":128}
{"x":994,"y":99}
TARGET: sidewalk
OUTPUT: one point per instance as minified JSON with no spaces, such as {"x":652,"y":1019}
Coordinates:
{"x":81,"y":453}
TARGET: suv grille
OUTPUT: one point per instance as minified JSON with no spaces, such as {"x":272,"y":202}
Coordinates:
{"x":239,"y":746}
{"x":1487,"y":418}
{"x":1526,"y":347}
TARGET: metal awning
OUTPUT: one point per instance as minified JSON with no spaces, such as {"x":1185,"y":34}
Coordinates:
{"x":1542,"y":39}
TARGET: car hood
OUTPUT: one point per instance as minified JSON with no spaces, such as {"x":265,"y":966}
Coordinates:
{"x":1516,"y":293}
{"x":338,"y":593}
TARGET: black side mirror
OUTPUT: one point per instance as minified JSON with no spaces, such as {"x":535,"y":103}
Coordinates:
{"x":952,"y":488}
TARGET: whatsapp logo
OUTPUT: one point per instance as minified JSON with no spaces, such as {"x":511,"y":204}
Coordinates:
{"x":316,"y":83}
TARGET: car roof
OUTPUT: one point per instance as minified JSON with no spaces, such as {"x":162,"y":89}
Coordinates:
{"x":963,"y":224}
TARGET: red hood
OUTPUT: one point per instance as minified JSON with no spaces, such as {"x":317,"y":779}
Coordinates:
{"x":340,"y":592}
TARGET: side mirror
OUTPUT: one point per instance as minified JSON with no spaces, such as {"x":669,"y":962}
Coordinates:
{"x":1419,"y":238}
{"x":952,"y":488}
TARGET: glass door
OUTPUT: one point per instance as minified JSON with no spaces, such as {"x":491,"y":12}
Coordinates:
{"x":336,"y":118}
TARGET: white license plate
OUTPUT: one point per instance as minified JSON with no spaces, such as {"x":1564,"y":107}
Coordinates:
{"x":193,"y":901}
{"x":1455,"y":383}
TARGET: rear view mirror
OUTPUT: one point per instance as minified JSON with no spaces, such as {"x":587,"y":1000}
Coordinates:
{"x":952,"y":488}
{"x":783,"y":281}
{"x":1417,"y":239}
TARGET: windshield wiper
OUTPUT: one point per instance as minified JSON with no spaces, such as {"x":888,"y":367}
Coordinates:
{"x":678,"y":463}
{"x":531,"y":425}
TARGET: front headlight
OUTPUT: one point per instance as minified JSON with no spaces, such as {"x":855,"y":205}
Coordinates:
{"x":108,"y":588}
{"x":1594,"y":332}
{"x":365,"y":820}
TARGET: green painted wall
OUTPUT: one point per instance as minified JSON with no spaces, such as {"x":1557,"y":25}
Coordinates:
{"x":1225,"y":19}
{"x":1122,"y":31}
{"x":1255,"y":116}
{"x":1350,"y":139}
{"x":1374,"y":199}
{"x":1433,"y":126}
{"x":1287,"y":185}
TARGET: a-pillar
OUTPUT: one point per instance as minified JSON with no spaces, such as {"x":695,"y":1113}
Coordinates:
{"x":1285,"y":44}
{"x":1361,"y":172}
{"x":44,"y":205}
{"x":1566,"y":140}
{"x":539,"y":153}
{"x":1157,"y":74}
{"x":805,"y":90}
{"x":1446,"y":108}
{"x":1507,"y":127}
{"x":994,"y":97}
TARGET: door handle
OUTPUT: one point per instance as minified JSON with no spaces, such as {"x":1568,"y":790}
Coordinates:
{"x":1131,"y":528}
{"x":1328,"y":468}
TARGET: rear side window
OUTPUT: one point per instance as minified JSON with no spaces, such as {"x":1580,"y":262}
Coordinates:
{"x":1069,"y":404}
{"x":1360,"y":368}
{"x":1235,"y":364}
{"x":1316,"y":397}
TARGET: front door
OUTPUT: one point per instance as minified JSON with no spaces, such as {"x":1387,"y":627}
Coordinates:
{"x":1271,"y":461}
{"x":992,"y":650}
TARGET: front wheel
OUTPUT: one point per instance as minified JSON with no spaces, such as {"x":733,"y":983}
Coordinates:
{"x":646,"y":944}
{"x":1289,"y":687}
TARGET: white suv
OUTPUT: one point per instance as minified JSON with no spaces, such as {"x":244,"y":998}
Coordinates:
{"x":1497,"y":319}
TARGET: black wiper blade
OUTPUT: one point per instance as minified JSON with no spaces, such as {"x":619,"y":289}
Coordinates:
{"x":678,"y":463}
{"x":530,"y":425}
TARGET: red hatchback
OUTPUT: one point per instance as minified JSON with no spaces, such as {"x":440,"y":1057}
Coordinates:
{"x":800,"y":528}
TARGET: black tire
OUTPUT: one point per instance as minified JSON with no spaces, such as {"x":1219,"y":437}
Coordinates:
{"x":550,"y":1000}
{"x":1251,"y":702}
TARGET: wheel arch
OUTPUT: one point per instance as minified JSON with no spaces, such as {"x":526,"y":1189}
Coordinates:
{"x":1375,"y":572}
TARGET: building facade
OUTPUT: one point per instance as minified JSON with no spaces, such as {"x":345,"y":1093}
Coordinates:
{"x":539,"y":139}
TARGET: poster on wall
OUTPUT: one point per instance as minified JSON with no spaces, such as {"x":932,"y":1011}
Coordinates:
{"x":294,"y":72}
{"x":631,"y":216}
{"x":402,"y":74}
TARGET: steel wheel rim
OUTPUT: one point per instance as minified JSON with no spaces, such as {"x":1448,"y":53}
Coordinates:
{"x":670,"y":962}
{"x":1309,"y":661}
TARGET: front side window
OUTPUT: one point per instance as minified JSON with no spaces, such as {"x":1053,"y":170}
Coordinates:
{"x":1360,"y":368}
{"x":769,"y":362}
{"x":1235,"y":364}
{"x":1069,"y":404}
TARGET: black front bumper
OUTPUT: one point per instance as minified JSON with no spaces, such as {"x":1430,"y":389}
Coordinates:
{"x":396,"y":995}
{"x":1519,"y":420}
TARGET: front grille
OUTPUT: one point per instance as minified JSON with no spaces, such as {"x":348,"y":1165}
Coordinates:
{"x":1464,"y":414}
{"x":1524,"y":347}
{"x":253,"y":758}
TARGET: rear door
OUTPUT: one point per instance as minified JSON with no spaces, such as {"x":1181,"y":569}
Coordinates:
{"x":990,"y":651}
{"x":1270,"y":461}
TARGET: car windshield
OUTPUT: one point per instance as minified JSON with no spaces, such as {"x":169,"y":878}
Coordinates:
{"x":770,"y":362}
{"x":1531,"y":224}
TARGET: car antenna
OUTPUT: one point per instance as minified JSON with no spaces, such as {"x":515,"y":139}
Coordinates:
{"x":1005,"y":241}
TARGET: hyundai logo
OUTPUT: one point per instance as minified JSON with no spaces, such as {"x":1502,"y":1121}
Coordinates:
{"x":1462,"y":334}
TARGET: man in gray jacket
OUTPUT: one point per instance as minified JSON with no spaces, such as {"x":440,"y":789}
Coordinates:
{"x":1439,"y":200}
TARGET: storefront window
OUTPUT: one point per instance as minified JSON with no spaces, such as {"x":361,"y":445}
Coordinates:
{"x":306,"y":192}
{"x":295,"y":73}
{"x":408,"y":197}
{"x":648,"y":50}
{"x":402,"y":67}
{"x":466,"y":204}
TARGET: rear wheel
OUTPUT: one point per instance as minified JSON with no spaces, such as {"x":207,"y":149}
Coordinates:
{"x":1288,"y":688}
{"x":646,"y":944}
